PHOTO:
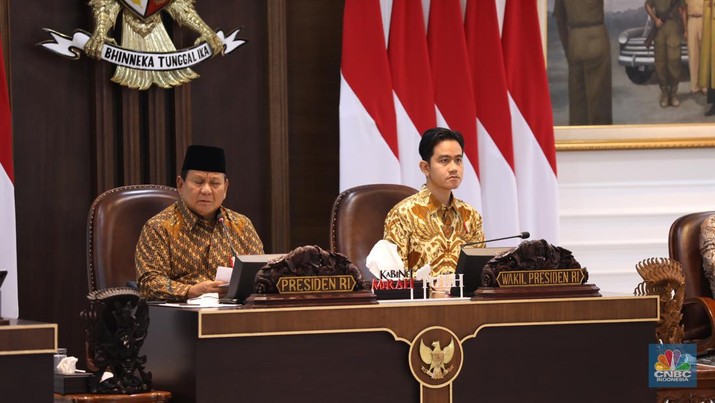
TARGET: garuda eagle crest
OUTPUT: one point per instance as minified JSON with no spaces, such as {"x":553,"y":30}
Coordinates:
{"x":437,"y":358}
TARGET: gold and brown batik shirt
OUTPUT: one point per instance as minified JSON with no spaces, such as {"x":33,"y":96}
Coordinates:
{"x":177,"y":249}
{"x":426,"y":231}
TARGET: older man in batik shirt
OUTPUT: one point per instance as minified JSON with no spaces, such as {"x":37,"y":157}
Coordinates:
{"x":432,"y":225}
{"x":180,"y":248}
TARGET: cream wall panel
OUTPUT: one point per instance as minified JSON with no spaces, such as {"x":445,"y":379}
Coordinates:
{"x":616,"y":206}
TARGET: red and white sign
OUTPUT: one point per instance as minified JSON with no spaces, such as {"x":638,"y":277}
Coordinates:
{"x":145,"y":8}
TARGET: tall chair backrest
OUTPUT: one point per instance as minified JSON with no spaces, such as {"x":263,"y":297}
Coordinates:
{"x":113,"y":226}
{"x":684,"y":246}
{"x":358,"y":219}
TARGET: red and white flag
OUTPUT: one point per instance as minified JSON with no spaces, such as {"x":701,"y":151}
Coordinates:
{"x":459,"y":74}
{"x":412,"y":81}
{"x":368,"y":129}
{"x":453,"y":88}
{"x":532,"y":121}
{"x":8,"y":244}
{"x":496,"y":150}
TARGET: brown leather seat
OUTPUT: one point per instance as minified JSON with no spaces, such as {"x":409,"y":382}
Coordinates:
{"x":358,"y":219}
{"x":699,"y":306}
{"x":113,"y":226}
{"x":114,"y":223}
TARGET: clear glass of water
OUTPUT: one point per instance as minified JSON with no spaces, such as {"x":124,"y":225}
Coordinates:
{"x":59,"y":355}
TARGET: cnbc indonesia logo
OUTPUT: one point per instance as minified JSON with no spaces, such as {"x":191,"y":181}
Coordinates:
{"x":673,"y":367}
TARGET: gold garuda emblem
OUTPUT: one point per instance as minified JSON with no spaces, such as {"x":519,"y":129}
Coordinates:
{"x":437,"y":359}
{"x":146,"y":55}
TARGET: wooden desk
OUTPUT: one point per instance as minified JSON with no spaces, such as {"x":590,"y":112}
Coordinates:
{"x":157,"y":396}
{"x":551,"y":350}
{"x":26,"y":350}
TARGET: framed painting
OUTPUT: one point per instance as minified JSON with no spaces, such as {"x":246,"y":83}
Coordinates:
{"x":638,"y":121}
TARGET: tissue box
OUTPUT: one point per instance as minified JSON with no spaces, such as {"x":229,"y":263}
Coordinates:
{"x":71,"y":384}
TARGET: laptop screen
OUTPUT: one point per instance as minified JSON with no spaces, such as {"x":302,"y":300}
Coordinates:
{"x":243,"y":276}
{"x":471,"y":262}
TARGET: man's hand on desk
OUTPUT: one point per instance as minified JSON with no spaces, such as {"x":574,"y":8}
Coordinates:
{"x":206,"y":287}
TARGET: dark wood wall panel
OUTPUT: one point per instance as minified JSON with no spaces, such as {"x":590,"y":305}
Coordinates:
{"x":230,"y":108}
{"x":104,"y":161}
{"x":314,"y":41}
{"x":53,"y":157}
{"x":181,"y":126}
{"x":278,"y":123}
{"x":131,"y":136}
{"x":157,"y":147}
{"x":5,"y":36}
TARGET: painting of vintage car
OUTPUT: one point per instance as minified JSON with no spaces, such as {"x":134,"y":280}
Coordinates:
{"x":637,"y":58}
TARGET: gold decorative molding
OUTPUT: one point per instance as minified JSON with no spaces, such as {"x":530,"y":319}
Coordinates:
{"x":219,"y":323}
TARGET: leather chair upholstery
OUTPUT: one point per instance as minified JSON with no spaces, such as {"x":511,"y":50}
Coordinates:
{"x":115,"y":220}
{"x":699,"y":306}
{"x":358,"y":220}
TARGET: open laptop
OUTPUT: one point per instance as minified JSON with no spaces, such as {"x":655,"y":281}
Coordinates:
{"x":243,"y":276}
{"x":471,"y":263}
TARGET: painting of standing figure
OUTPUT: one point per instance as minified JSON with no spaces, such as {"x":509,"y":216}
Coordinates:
{"x":629,"y":62}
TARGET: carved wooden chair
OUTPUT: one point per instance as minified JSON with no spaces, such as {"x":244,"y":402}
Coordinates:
{"x":113,"y":226}
{"x":358,"y":219}
{"x":699,"y":306}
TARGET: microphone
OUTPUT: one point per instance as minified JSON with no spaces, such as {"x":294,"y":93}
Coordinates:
{"x":222,"y":222}
{"x":523,"y":235}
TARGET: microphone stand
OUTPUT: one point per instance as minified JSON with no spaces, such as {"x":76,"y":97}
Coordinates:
{"x":523,"y":235}
{"x":221,"y":221}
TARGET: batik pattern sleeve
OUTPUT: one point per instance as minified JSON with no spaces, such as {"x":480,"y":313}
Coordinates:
{"x":153,"y":263}
{"x":707,"y":249}
{"x":397,"y":231}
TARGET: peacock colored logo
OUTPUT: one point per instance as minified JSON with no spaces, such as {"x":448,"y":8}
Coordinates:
{"x":672,"y":365}
{"x":672,"y":360}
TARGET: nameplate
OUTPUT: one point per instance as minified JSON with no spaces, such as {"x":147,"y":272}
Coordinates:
{"x":315,"y":284}
{"x":540,"y":277}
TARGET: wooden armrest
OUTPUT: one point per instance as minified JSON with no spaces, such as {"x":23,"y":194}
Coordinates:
{"x":699,"y":322}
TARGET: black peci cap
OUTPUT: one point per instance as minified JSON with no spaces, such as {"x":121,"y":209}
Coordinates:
{"x":204,"y":158}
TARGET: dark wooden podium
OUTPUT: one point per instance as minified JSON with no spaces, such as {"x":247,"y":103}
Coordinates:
{"x":551,"y":350}
{"x":26,"y":350}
